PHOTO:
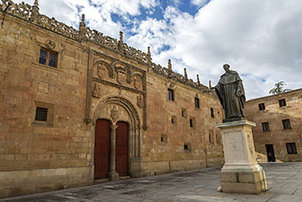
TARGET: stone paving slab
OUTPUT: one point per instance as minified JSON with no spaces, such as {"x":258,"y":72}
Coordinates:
{"x":284,"y":181}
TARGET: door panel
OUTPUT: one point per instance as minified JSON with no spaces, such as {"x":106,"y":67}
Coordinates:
{"x":102,"y":149}
{"x":122,"y":148}
{"x":270,"y":153}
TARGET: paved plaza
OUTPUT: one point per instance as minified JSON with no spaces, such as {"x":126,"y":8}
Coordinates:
{"x":284,"y":182}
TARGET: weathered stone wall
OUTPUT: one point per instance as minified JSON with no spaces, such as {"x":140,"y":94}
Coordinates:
{"x":33,"y":156}
{"x":169,"y":155}
{"x":274,"y":114}
{"x":91,"y":79}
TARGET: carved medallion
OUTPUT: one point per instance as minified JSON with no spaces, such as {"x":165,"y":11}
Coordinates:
{"x":114,"y":114}
{"x":96,"y":90}
{"x":50,"y":44}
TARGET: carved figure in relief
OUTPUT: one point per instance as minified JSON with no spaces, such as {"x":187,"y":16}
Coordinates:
{"x":96,"y":92}
{"x":114,"y":114}
{"x":121,"y":77}
{"x":101,"y":71}
{"x":137,"y":82}
{"x":231,"y":94}
{"x":140,"y":101}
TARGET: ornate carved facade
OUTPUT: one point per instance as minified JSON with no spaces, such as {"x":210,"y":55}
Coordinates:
{"x":76,"y":106}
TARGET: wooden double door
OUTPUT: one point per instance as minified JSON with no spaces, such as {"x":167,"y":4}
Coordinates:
{"x":102,"y":149}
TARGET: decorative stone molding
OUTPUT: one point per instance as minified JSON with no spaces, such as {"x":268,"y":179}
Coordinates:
{"x":31,"y":14}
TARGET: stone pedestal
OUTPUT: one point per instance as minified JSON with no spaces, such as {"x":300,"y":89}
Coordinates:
{"x":241,"y":172}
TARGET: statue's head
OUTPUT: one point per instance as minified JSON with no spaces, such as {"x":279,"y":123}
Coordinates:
{"x":226,"y":67}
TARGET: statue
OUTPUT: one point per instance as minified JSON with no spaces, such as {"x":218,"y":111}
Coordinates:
{"x":231,"y":94}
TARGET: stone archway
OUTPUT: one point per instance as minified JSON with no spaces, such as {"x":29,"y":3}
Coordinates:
{"x":118,"y":109}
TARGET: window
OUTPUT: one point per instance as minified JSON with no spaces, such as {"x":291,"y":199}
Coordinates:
{"x":163,"y":139}
{"x":41,"y":114}
{"x":187,"y":147}
{"x":197,"y":106}
{"x":184,"y":112}
{"x":212,"y":112}
{"x":286,"y":124}
{"x":48,"y":57}
{"x":171,"y":94}
{"x":265,"y":127}
{"x":191,"y":123}
{"x":44,"y":114}
{"x":173,"y":119}
{"x":291,"y":148}
{"x":261,"y":107}
{"x":282,"y":103}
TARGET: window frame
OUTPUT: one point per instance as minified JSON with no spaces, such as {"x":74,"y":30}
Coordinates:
{"x":197,"y":103}
{"x":261,"y":106}
{"x":171,"y":95}
{"x":48,"y":52}
{"x":286,"y":124}
{"x":265,"y":127}
{"x":291,"y":148}
{"x":282,"y":102}
{"x":212,"y":112}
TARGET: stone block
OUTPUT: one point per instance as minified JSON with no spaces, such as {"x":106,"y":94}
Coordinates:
{"x":244,"y":188}
{"x":228,"y":177}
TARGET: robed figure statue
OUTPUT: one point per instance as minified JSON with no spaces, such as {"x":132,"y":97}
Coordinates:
{"x":231,"y":94}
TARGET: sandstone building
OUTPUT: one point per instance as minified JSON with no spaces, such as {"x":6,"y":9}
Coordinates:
{"x":76,"y":106}
{"x":278,"y":131}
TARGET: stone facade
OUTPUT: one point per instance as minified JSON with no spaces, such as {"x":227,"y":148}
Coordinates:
{"x":95,"y":77}
{"x":274,"y":136}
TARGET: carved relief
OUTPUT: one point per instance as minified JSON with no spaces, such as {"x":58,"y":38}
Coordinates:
{"x":104,"y":69}
{"x":114,"y":114}
{"x":137,"y":82}
{"x":121,"y":75}
{"x":101,"y":71}
{"x":96,"y":92}
{"x":171,"y":85}
{"x":140,"y":101}
{"x":50,"y":44}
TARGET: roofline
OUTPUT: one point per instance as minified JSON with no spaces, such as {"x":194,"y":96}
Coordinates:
{"x":269,"y":96}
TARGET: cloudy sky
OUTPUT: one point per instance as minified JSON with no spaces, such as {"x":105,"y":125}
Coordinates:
{"x":260,"y":39}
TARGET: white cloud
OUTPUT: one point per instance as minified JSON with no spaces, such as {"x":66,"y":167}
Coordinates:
{"x":259,"y":39}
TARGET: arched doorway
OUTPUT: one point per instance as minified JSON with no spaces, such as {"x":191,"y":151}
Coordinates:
{"x":102,"y":148}
{"x":121,"y":158}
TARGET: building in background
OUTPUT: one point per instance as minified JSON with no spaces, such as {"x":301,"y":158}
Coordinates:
{"x":278,"y":131}
{"x":77,"y":106}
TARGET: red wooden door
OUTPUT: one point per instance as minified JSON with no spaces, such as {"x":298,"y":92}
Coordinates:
{"x":102,"y":148}
{"x":122,"y":148}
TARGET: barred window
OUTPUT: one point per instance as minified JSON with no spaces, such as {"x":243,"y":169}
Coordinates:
{"x":291,"y":148}
{"x":41,"y":114}
{"x":265,"y":127}
{"x":170,"y":94}
{"x":286,"y":124}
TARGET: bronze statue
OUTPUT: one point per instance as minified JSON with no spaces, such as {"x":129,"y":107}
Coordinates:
{"x":231,"y":94}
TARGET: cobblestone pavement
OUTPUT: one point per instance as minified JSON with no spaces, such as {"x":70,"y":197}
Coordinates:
{"x":284,"y":182}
